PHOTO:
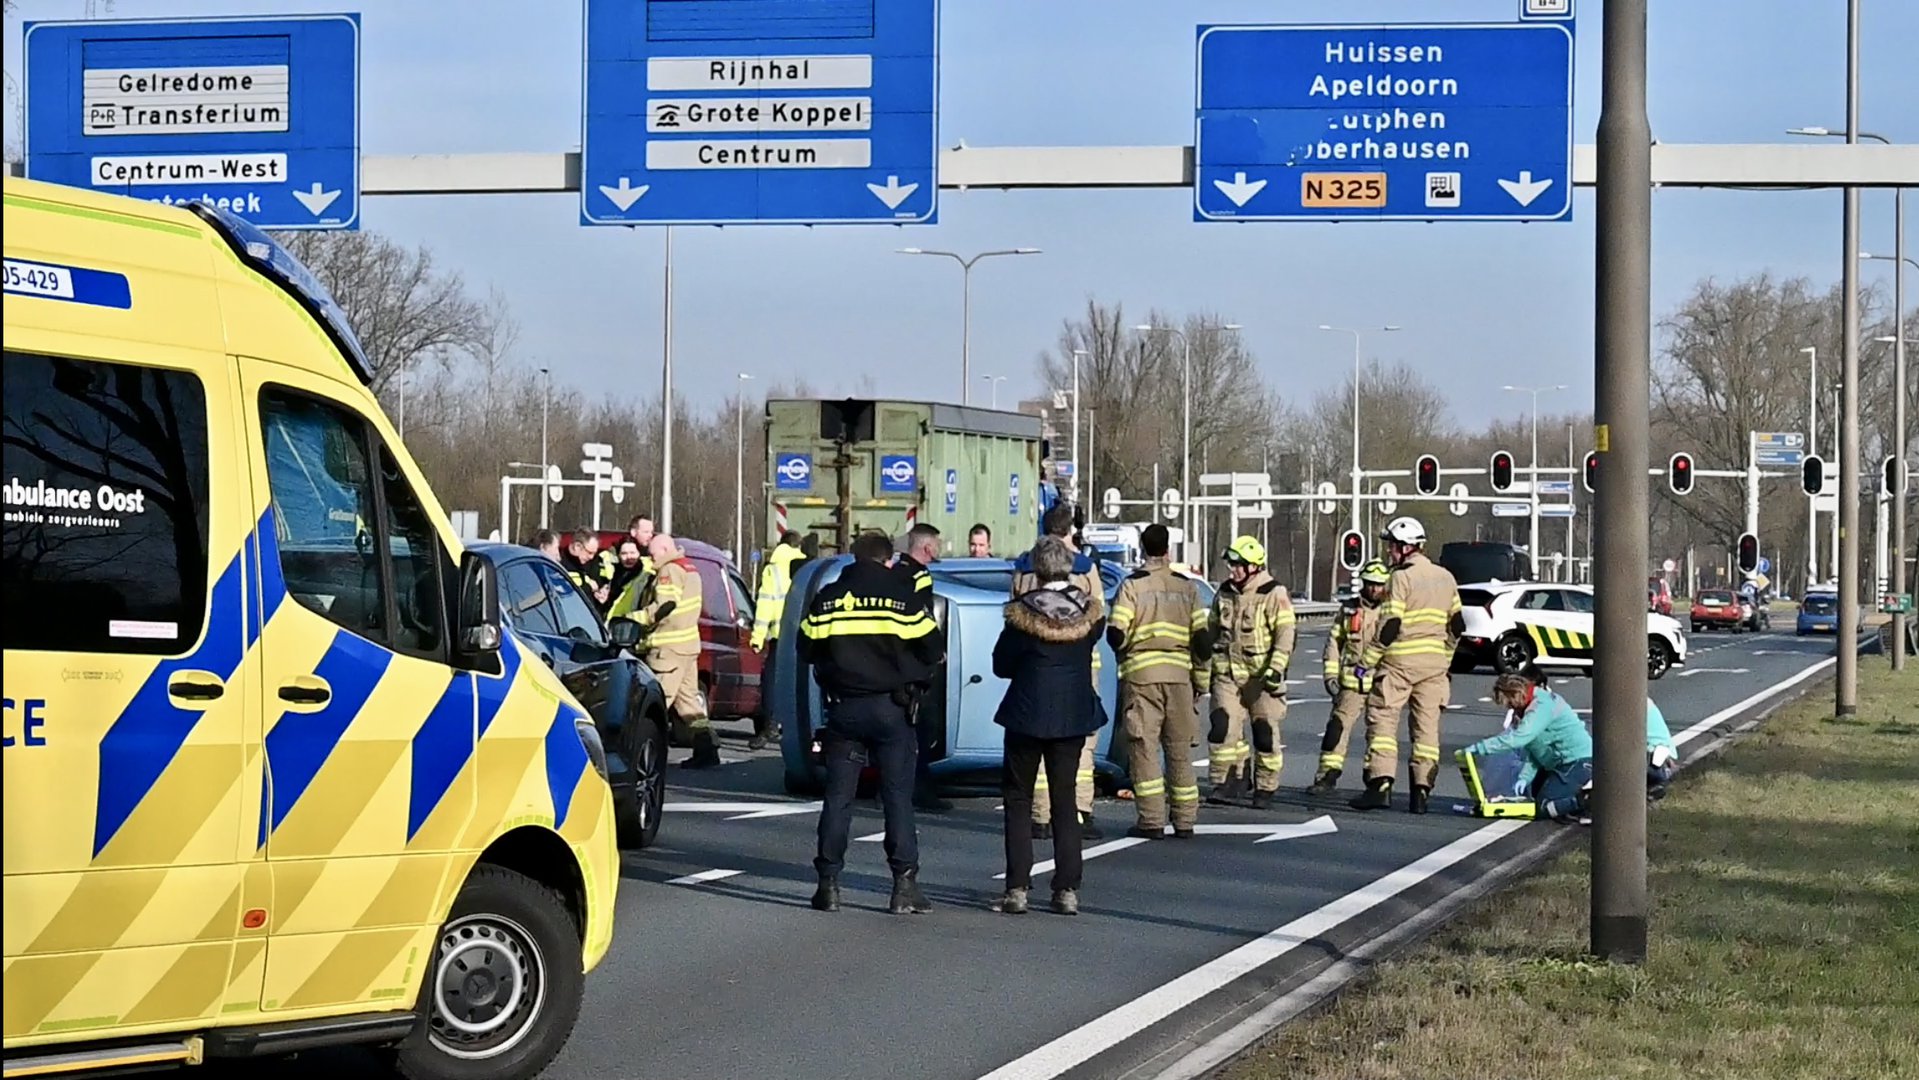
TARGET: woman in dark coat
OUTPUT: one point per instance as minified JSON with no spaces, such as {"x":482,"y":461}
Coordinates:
{"x":1045,"y":653}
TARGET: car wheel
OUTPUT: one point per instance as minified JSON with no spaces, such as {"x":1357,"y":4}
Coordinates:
{"x":503,"y":985}
{"x":1659,"y":658}
{"x":641,"y":808}
{"x":1511,"y":654}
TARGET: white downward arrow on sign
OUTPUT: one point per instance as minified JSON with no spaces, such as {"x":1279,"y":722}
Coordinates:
{"x":1526,"y":189}
{"x":1239,"y":189}
{"x":625,"y":195}
{"x":315,"y":200}
{"x":892,"y":193}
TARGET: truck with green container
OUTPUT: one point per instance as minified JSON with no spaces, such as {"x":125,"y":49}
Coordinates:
{"x":843,"y":467}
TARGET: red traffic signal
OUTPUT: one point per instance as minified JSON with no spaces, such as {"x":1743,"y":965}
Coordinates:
{"x":1352,"y":550}
{"x":1812,"y":474}
{"x":1592,"y":471}
{"x":1502,"y":470}
{"x":1748,"y":553}
{"x":1679,"y":473}
{"x":1426,"y":475}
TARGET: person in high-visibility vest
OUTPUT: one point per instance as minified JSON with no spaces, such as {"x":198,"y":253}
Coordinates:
{"x":776,"y":580}
{"x":1252,"y":630}
{"x":1157,"y":631}
{"x":1411,"y":661}
{"x":1344,"y":669}
{"x":670,"y":613}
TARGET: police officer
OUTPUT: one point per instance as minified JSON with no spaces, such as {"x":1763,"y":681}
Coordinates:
{"x":870,"y":641}
{"x":1058,"y":522}
{"x":1411,"y":662}
{"x":1252,"y":631}
{"x":670,"y":612}
{"x":1157,"y":629}
{"x":1347,"y":679}
{"x":769,"y":606}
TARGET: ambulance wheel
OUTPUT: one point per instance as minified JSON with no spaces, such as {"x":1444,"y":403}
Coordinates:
{"x":1658,"y":658}
{"x":503,"y":985}
{"x":1512,"y":654}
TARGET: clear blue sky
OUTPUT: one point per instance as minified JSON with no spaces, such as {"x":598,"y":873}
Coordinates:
{"x":1482,"y":304}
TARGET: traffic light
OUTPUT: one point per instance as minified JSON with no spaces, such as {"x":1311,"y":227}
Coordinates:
{"x":1592,"y":471}
{"x":1502,"y":470}
{"x":1748,"y":553}
{"x":1892,"y":478}
{"x":1812,"y":474}
{"x":1679,"y":473}
{"x":1352,"y":550}
{"x":1426,"y":475}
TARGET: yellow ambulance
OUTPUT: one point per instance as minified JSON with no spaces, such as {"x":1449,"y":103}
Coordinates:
{"x":275,"y":776}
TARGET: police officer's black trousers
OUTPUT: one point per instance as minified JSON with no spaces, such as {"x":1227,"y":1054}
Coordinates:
{"x":858,"y":732}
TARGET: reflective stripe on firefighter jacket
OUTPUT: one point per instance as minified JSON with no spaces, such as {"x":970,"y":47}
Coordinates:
{"x":1355,"y":631}
{"x":1253,"y":628}
{"x":776,"y":578}
{"x":1423,"y":599}
{"x":1157,"y":613}
{"x":678,"y":634}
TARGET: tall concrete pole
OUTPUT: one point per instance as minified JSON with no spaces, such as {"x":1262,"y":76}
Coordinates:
{"x":1623,"y":366}
{"x":666,"y":391}
{"x":1846,"y":686}
{"x":1899,"y":433}
{"x":1812,"y":447}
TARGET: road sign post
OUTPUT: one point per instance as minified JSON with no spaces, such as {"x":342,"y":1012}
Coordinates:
{"x":776,"y":114}
{"x":259,"y":116}
{"x":1384,"y":122}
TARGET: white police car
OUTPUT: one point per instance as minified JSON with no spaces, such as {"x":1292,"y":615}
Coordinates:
{"x":1547,"y":625}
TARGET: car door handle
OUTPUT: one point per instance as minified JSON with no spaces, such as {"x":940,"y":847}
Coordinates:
{"x":305,"y":695}
{"x":206,"y":687}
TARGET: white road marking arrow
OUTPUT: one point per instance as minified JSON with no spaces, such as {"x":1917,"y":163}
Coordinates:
{"x":892,"y":193}
{"x":1689,"y":672}
{"x":1240,"y":189}
{"x":315,"y":200}
{"x":1267,"y":833}
{"x":705,"y":876}
{"x":743,"y":811}
{"x":1525,"y":189}
{"x":626,"y":194}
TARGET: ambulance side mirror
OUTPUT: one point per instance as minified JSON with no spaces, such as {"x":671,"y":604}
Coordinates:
{"x":480,"y":633}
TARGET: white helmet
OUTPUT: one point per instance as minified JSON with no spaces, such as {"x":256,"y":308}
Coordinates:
{"x":1405,"y":530}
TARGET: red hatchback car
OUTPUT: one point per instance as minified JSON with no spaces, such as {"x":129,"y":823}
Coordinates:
{"x":1718,"y":609}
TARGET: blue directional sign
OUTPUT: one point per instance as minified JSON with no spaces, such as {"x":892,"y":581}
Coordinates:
{"x":1777,"y":448}
{"x":1384,"y":122}
{"x":260,"y":116}
{"x":727,"y":112}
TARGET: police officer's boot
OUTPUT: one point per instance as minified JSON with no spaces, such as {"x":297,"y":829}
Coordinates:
{"x":907,"y":897}
{"x":827,"y":896}
{"x":706,"y":751}
{"x":1325,"y":783}
{"x":1417,"y":803}
{"x":1377,"y":796}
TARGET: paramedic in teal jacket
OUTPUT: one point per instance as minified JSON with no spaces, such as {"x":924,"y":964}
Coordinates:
{"x":1554,"y":740}
{"x":1662,"y":754}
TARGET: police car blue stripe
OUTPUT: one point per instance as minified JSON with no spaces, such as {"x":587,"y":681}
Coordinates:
{"x":300,"y":743}
{"x":149,"y":732}
{"x":565,"y":760}
{"x":440,"y":750}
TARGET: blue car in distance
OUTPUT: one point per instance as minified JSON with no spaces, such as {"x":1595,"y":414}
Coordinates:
{"x":968,"y":595}
{"x":1819,"y":613}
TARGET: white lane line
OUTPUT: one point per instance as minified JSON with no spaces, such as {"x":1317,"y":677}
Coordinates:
{"x":1045,"y":866}
{"x":705,"y":876}
{"x":870,"y":838}
{"x":1085,"y":1042}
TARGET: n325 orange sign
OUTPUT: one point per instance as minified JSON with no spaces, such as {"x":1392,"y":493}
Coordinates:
{"x":1347,"y":190}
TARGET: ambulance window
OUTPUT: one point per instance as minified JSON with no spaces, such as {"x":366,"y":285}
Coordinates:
{"x":415,"y":549}
{"x":323,"y":500}
{"x":106,"y":495}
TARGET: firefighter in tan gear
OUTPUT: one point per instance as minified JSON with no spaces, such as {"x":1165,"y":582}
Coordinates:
{"x":1085,"y":577}
{"x":1157,"y":631}
{"x":1251,"y":632}
{"x":1411,"y":662}
{"x":1347,"y":678}
{"x":670,"y":613}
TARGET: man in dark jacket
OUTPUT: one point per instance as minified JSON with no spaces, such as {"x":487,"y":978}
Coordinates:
{"x":869,"y":641}
{"x":1049,"y":712}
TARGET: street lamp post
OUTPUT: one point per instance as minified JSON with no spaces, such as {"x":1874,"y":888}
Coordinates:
{"x":1812,"y":447}
{"x":966,"y":303}
{"x":1078,"y":465}
{"x":1533,"y":487}
{"x":1356,"y":469}
{"x":546,"y":400}
{"x":993,"y":381}
{"x":1186,"y":427}
{"x":739,"y":472}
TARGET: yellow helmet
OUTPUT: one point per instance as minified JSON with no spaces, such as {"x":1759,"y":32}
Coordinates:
{"x":1375,"y":573}
{"x":1247,"y":550}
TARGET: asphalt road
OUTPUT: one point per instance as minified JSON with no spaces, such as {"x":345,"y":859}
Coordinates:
{"x":720,"y":969}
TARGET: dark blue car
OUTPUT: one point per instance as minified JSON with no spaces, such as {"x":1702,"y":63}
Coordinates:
{"x":595,"y":660}
{"x":1818,"y":613}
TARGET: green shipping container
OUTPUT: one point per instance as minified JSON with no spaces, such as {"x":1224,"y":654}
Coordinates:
{"x":840,"y":468}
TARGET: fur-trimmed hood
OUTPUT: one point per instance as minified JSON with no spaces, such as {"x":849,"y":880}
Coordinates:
{"x":1058,"y":614}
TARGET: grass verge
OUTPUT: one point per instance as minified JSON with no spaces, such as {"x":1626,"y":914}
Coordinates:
{"x":1784,"y":936}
